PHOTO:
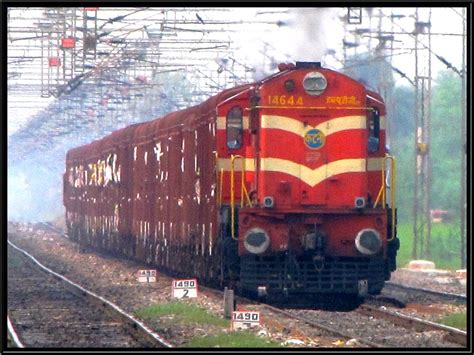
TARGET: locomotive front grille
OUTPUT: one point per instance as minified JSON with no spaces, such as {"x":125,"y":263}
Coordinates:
{"x":299,"y":275}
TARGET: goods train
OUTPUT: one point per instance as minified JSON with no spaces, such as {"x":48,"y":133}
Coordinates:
{"x":279,"y":187}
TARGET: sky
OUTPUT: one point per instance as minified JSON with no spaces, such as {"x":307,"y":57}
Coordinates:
{"x":307,"y":36}
{"x":303,"y":41}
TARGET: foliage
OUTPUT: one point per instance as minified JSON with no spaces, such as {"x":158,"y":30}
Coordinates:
{"x":446,"y":137}
{"x":402,"y":146}
{"x":235,"y":339}
{"x":445,"y":245}
{"x":456,"y":320}
{"x":445,"y":148}
{"x":14,"y":262}
{"x":182,"y":312}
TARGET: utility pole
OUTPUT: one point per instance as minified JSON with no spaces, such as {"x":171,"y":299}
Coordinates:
{"x":384,"y":46}
{"x":417,"y":227}
{"x":463,"y":144}
{"x":422,"y":193}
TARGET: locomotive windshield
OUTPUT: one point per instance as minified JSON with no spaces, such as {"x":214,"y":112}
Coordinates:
{"x":234,"y":128}
{"x":374,"y":130}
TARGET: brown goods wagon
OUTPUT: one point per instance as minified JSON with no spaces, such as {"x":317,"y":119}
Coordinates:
{"x":149,"y":191}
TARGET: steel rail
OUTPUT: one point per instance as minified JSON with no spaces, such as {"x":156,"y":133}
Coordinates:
{"x":441,"y":295}
{"x":14,"y":336}
{"x":137,"y":326}
{"x":453,"y":334}
{"x":54,"y":229}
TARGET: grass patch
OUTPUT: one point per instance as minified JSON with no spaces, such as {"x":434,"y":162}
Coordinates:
{"x":235,"y":339}
{"x":182,"y":312}
{"x":456,"y":320}
{"x":14,"y":262}
{"x":445,"y":245}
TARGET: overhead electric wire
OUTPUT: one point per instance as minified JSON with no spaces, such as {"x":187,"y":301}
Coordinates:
{"x":439,"y":57}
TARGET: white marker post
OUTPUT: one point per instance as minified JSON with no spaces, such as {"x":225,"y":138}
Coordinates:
{"x":185,"y":288}
{"x":245,"y":319}
{"x":146,"y":275}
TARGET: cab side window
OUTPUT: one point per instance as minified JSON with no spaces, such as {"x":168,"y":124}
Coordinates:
{"x":234,"y":128}
{"x":373,"y":124}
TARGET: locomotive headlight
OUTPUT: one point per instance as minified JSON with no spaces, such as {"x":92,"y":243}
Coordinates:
{"x":256,"y":240}
{"x":368,"y":241}
{"x":315,"y":83}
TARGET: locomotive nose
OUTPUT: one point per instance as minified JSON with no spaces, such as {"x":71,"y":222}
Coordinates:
{"x":368,"y":241}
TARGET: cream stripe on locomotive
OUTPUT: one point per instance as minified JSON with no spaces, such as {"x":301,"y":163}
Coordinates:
{"x":292,"y":125}
{"x":221,"y":122}
{"x":328,"y":127}
{"x":224,"y":163}
{"x":310,"y":176}
{"x":374,"y":164}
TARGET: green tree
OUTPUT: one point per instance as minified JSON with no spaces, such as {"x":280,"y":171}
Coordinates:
{"x":445,"y":142}
{"x":402,"y":143}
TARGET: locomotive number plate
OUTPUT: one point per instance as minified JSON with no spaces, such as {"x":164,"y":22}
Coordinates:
{"x":185,"y":288}
{"x":146,"y":275}
{"x":285,"y":100}
{"x":245,"y":319}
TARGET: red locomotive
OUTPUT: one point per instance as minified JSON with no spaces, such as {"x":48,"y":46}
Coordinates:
{"x":277,"y":186}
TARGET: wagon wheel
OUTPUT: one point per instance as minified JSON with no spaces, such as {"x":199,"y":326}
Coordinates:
{"x":191,"y":251}
{"x":218,"y":251}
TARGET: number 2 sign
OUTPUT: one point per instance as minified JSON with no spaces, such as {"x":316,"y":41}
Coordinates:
{"x":185,"y":288}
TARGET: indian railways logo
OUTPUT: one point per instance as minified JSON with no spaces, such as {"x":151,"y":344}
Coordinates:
{"x":314,"y":139}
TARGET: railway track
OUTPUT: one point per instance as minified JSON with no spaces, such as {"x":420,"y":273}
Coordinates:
{"x":450,"y":334}
{"x":377,"y":327}
{"x":411,"y":292}
{"x":360,"y":322}
{"x":51,"y":227}
{"x":369,"y":326}
{"x":329,"y":329}
{"x":48,"y":310}
{"x":12,"y":335}
{"x":312,"y":322}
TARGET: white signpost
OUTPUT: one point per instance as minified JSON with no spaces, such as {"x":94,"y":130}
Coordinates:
{"x":185,"y":288}
{"x":245,"y":319}
{"x":146,"y":275}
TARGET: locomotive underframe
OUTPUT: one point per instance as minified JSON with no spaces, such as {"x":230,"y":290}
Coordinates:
{"x":289,"y":274}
